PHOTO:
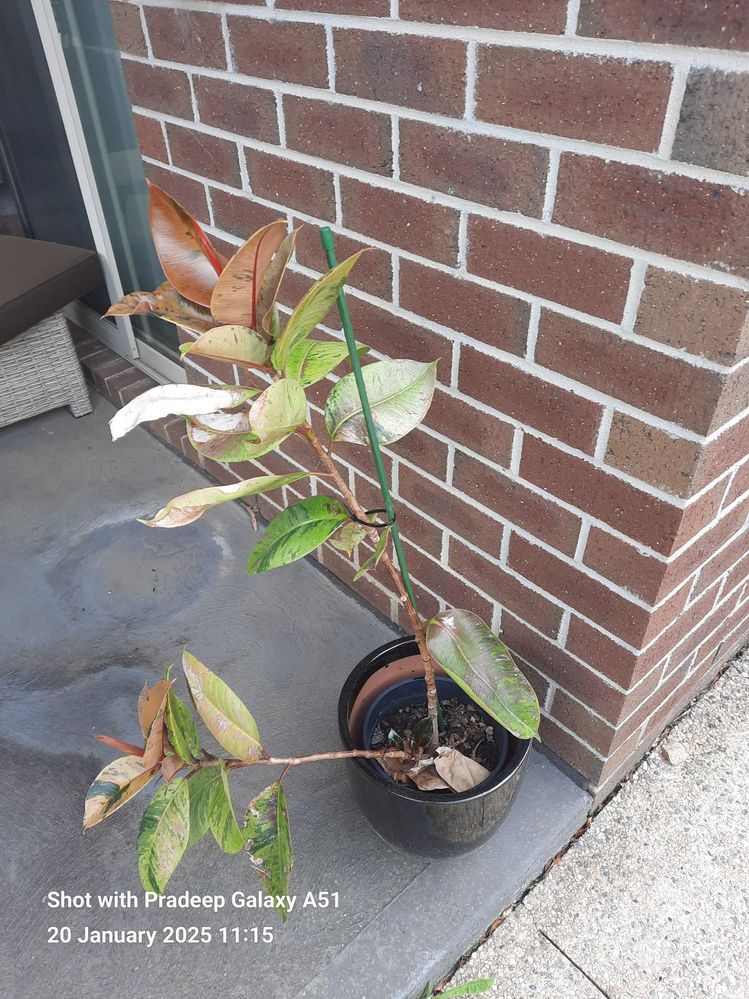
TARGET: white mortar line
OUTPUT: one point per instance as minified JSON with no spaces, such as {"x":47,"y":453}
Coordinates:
{"x":616,"y":154}
{"x":470,"y":102}
{"x":550,"y":192}
{"x":533,"y":321}
{"x":496,"y":621}
{"x":582,"y":540}
{"x":330,"y":52}
{"x":579,"y":45}
{"x":146,"y":33}
{"x":227,"y":44}
{"x":564,"y":627}
{"x":454,"y":365}
{"x":632,"y":303}
{"x":517,"y":451}
{"x":673,"y":110}
{"x":243,"y":172}
{"x":463,"y":243}
{"x":602,"y":440}
{"x":395,"y":141}
{"x":395,"y":277}
{"x":338,"y":203}
{"x":280,"y":119}
{"x":573,"y":12}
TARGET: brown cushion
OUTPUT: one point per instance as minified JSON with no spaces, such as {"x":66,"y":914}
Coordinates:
{"x":38,"y":278}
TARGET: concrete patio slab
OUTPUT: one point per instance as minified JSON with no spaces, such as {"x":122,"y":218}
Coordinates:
{"x":652,"y":900}
{"x":94,"y":604}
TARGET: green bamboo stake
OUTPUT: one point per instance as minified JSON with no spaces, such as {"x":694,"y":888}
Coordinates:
{"x":326,"y":238}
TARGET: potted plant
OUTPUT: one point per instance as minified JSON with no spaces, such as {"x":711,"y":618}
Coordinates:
{"x":436,"y":727}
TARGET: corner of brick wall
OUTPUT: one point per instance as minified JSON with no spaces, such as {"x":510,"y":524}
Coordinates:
{"x":557,"y":198}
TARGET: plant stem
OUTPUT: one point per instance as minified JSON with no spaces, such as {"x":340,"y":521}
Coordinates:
{"x":293,"y":761}
{"x":386,"y":561}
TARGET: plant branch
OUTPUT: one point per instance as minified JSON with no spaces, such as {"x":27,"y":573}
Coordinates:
{"x":387,"y":563}
{"x":293,"y":761}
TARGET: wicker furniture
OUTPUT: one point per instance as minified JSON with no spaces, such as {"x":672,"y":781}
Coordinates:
{"x":39,"y":369}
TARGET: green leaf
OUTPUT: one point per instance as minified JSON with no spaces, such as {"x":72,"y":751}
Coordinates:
{"x":117,"y":783}
{"x":190,"y":506}
{"x":373,"y":561}
{"x":400,"y":393}
{"x":221,"y":818}
{"x":312,"y":309}
{"x":163,"y":836}
{"x":269,"y":841}
{"x":475,"y":988}
{"x":201,"y":785}
{"x":180,"y":726}
{"x":349,"y":536}
{"x":296,"y":532}
{"x":231,"y":344}
{"x":312,"y":360}
{"x":481,"y":664}
{"x":225,"y":716}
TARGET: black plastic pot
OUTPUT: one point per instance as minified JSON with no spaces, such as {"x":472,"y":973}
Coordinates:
{"x":426,"y":823}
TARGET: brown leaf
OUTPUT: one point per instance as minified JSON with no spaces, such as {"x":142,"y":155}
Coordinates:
{"x":186,"y":255}
{"x":426,"y":778}
{"x":154,"y":750}
{"x":166,"y":303}
{"x":126,"y":747}
{"x":234,"y":298}
{"x":460,"y":772}
{"x":271,"y":280}
{"x":148,"y":704}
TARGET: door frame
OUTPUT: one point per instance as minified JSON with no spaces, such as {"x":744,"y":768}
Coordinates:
{"x":120,"y":335}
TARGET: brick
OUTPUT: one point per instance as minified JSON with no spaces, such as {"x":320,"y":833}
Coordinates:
{"x":664,"y":386}
{"x":502,"y":15}
{"x":735,"y":397}
{"x":503,"y":587}
{"x":158,"y":88}
{"x":630,"y":511}
{"x":190,"y":193}
{"x":419,"y":530}
{"x":513,"y":501}
{"x":715,"y":25}
{"x":732,"y":554}
{"x":713,"y":129}
{"x":581,"y":277}
{"x":150,"y":137}
{"x":456,"y":514}
{"x":706,"y":223}
{"x":364,"y":8}
{"x":239,"y":215}
{"x":565,"y":744}
{"x":624,"y":564}
{"x":190,"y":36}
{"x":483,"y":433}
{"x":740,"y":484}
{"x":707,"y":319}
{"x":203,"y":154}
{"x":652,"y":455}
{"x":453,"y":590}
{"x":427,"y":453}
{"x":373,"y":271}
{"x":529,"y":399}
{"x":461,"y":305}
{"x":576,"y":716}
{"x":507,"y":175}
{"x":723,"y":453}
{"x":592,"y":599}
{"x":335,"y":132}
{"x":128,"y":28}
{"x":400,"y":220}
{"x":279,"y":50}
{"x":562,"y":668}
{"x":293,"y":185}
{"x":614,"y":101}
{"x":248,"y":111}
{"x":396,"y":337}
{"x":293,"y":288}
{"x":601,"y":652}
{"x":423,"y":73}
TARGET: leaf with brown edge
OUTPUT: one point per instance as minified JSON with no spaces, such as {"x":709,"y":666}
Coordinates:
{"x":234,"y":298}
{"x":126,"y":747}
{"x":271,"y":282}
{"x":117,"y":783}
{"x":190,"y":506}
{"x":460,"y":771}
{"x":166,"y":303}
{"x":154,"y":751}
{"x":148,"y":704}
{"x":231,"y":344}
{"x":188,"y":259}
{"x":225,"y":716}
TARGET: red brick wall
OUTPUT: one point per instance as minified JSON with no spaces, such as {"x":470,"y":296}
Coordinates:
{"x":557,"y":195}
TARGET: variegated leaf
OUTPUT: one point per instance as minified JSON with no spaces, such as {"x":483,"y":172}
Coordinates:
{"x":271,"y":282}
{"x":175,"y":400}
{"x":311,"y":360}
{"x":469,"y":652}
{"x":238,"y":345}
{"x":181,"y":729}
{"x":190,"y":506}
{"x":234,"y":299}
{"x":200,"y":785}
{"x":149,"y":701}
{"x":154,"y":751}
{"x":374,"y":559}
{"x":221,"y":818}
{"x":166,"y":303}
{"x":117,"y":783}
{"x":164,"y":834}
{"x":296,"y":532}
{"x":269,"y":842}
{"x":400,"y":393}
{"x":225,"y":716}
{"x":349,"y":536}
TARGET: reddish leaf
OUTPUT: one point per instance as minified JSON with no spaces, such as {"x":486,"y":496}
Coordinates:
{"x":154,"y":750}
{"x":271,"y":281}
{"x":187,"y":258}
{"x":234,"y":299}
{"x":149,"y":701}
{"x":166,"y":303}
{"x":126,"y":747}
